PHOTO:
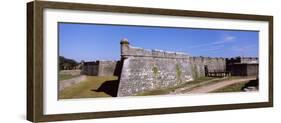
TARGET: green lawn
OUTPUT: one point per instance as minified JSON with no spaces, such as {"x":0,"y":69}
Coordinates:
{"x":93,"y":86}
{"x":66,"y":76}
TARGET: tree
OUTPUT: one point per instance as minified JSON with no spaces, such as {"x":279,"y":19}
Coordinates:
{"x":66,"y":63}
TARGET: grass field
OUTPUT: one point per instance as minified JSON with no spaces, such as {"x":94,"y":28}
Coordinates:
{"x":92,"y":87}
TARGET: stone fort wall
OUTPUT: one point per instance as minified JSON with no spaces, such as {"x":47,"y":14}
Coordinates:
{"x":141,"y":70}
{"x":145,"y":70}
{"x":201,"y":65}
{"x":245,"y":66}
{"x":99,"y":68}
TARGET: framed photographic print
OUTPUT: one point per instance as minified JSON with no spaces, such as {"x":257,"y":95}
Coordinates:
{"x":97,"y":61}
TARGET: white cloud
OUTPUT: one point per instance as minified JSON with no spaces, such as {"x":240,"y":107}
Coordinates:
{"x":244,"y":48}
{"x":225,"y":39}
{"x":213,"y":48}
{"x":229,"y":38}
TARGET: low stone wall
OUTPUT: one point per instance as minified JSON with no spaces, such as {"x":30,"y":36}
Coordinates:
{"x":70,"y":72}
{"x":69,"y":82}
{"x":145,"y":70}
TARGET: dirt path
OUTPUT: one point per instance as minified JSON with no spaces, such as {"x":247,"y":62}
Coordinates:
{"x":185,"y":89}
{"x":215,"y":86}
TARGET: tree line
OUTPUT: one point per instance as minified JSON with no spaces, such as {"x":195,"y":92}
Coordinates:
{"x":67,"y":64}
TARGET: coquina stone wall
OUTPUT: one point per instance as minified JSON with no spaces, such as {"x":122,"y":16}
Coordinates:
{"x":144,"y":70}
{"x":201,"y":65}
{"x":107,"y":68}
{"x":99,"y":68}
{"x":243,"y":66}
{"x":141,"y":70}
{"x":70,"y":72}
{"x":90,"y":68}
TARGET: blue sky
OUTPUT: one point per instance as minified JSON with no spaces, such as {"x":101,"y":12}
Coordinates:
{"x":102,"y":42}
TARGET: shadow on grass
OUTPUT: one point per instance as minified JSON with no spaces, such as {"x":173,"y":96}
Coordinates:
{"x":252,"y":83}
{"x":109,"y":87}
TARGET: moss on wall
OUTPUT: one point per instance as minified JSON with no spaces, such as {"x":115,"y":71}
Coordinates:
{"x":178,"y":70}
{"x":155,"y":70}
{"x":194,"y":72}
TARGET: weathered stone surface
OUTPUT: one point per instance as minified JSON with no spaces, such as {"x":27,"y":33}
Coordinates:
{"x":99,"y":68}
{"x":70,"y":72}
{"x":141,"y":69}
{"x":213,"y":65}
{"x":243,"y":66}
{"x":90,"y":68}
{"x":145,"y":70}
{"x":107,"y":68}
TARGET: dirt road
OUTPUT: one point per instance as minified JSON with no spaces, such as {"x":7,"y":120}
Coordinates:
{"x":215,"y":86}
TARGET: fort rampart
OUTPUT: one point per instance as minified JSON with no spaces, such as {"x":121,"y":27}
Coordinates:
{"x":99,"y":68}
{"x":141,"y":70}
